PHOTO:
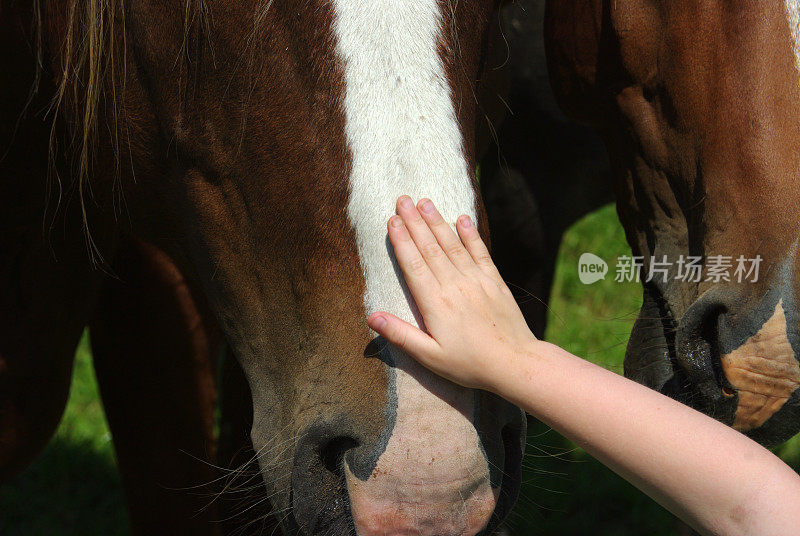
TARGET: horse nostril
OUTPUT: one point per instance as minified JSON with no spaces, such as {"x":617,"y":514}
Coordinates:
{"x":698,"y":354}
{"x":332,"y":453}
{"x":697,"y":342}
{"x":319,"y":491}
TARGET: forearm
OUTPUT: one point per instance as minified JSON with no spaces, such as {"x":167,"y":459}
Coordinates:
{"x":714,"y":478}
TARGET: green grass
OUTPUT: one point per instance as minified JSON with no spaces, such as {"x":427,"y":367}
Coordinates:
{"x":73,"y":488}
{"x":594,"y":322}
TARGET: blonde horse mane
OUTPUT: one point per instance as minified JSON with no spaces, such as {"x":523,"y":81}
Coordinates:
{"x":90,"y":64}
{"x":82,"y":60}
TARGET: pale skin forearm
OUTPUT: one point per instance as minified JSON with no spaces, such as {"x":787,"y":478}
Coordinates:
{"x":715,"y":479}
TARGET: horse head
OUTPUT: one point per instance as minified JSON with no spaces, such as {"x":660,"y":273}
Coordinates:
{"x":698,"y":104}
{"x":262,"y":146}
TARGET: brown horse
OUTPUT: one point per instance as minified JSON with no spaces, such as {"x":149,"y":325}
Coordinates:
{"x":233,"y":164}
{"x":698,"y":104}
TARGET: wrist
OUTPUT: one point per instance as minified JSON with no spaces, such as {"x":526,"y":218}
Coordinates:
{"x":515,"y":368}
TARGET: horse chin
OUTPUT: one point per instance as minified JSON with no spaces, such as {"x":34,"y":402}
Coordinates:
{"x":396,"y":505}
{"x":437,"y":513}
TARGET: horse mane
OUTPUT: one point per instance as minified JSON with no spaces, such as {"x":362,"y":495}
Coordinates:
{"x":89,"y":60}
{"x":90,"y":52}
{"x":84,"y":57}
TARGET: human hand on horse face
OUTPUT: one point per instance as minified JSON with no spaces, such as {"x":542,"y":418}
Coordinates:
{"x":703,"y":471}
{"x":475,"y":328}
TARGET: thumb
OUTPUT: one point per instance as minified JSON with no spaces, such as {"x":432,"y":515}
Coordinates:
{"x":408,"y":338}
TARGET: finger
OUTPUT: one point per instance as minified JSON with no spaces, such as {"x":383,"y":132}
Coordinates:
{"x":447,"y":238}
{"x":424,"y":239}
{"x":476,"y":248}
{"x":408,"y":338}
{"x":421,"y":281}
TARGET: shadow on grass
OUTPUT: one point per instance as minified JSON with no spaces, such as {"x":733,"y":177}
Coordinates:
{"x":566,"y":491}
{"x":71,"y":489}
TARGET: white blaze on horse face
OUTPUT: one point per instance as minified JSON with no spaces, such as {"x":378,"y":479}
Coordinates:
{"x":793,"y":16}
{"x":404,"y":138}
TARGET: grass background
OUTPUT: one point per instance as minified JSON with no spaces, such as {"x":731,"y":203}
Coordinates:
{"x":73,"y":487}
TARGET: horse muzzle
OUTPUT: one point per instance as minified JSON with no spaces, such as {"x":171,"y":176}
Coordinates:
{"x":730,"y":356}
{"x":417,"y":480}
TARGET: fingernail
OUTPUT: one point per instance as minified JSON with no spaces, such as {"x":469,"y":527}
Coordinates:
{"x":426,"y":207}
{"x":378,"y":322}
{"x":396,"y":221}
{"x":405,"y":202}
{"x":466,"y":222}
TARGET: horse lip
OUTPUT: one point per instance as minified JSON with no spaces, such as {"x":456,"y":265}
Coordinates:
{"x":512,"y":473}
{"x":698,"y":379}
{"x":290,"y":525}
{"x":686,"y":358}
{"x":650,"y":357}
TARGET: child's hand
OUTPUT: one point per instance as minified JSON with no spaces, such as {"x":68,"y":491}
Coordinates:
{"x":476,"y":328}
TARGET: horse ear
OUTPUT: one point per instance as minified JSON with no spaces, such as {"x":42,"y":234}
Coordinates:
{"x":573,"y":38}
